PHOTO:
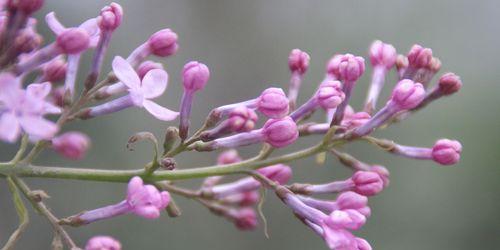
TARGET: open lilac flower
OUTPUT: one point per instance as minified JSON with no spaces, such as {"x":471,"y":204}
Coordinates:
{"x":152,"y":85}
{"x":23,"y":110}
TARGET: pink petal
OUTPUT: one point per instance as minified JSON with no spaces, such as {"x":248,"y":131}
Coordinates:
{"x":10,"y":88}
{"x":38,"y":127}
{"x":133,"y":185}
{"x":49,"y":108}
{"x":159,"y":112}
{"x":54,"y":24}
{"x":39,"y":90}
{"x":165,"y":199}
{"x":93,"y":30}
{"x":9,"y":127}
{"x":154,"y":83}
{"x":149,"y":212}
{"x":125,"y":73}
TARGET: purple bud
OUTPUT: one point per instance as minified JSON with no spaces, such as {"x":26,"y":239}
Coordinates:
{"x":103,"y":243}
{"x":330,"y":94}
{"x":279,"y":173}
{"x":449,"y":83}
{"x":382,"y":54}
{"x":419,"y":57}
{"x":72,"y":145}
{"x":407,"y":94}
{"x":147,"y":66}
{"x":273,"y":103}
{"x":195,"y":76}
{"x":280,"y":132}
{"x":27,"y":40}
{"x":55,"y":70}
{"x":145,"y":200}
{"x":367,"y":183}
{"x":347,"y":67}
{"x":163,"y":43}
{"x":245,"y":219}
{"x":446,"y":152}
{"x":228,"y":157}
{"x":298,"y":61}
{"x":73,"y":40}
{"x":242,"y":119}
{"x":355,"y":120}
{"x":111,"y":17}
{"x":26,"y":6}
{"x":351,"y":200}
{"x":383,"y":173}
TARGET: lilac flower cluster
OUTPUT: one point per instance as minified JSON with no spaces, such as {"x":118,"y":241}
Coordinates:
{"x":37,"y":111}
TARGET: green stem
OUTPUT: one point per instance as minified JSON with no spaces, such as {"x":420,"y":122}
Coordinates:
{"x":125,"y":175}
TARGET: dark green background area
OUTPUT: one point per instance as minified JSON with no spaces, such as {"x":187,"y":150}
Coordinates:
{"x":246,"y":45}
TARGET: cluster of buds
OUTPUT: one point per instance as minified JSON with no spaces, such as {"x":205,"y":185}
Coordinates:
{"x":28,"y":110}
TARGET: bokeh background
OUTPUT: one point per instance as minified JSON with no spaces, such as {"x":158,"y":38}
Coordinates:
{"x":246,"y":45}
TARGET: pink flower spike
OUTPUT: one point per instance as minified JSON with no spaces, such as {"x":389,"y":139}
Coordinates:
{"x":280,"y":132}
{"x":72,"y":145}
{"x":111,"y":17}
{"x":145,"y":200}
{"x":446,"y":152}
{"x":103,"y":243}
{"x":273,"y":103}
{"x":382,"y":54}
{"x":163,"y":43}
{"x":367,"y":183}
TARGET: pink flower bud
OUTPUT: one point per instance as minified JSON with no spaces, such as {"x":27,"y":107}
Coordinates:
{"x":280,"y":132}
{"x":163,"y":43}
{"x":103,"y":243}
{"x":245,"y":219}
{"x":407,"y":94}
{"x":446,"y":152}
{"x":72,"y":145}
{"x":273,"y":103}
{"x":330,"y":94}
{"x":355,"y":120}
{"x":26,"y":6}
{"x":55,"y":70}
{"x":383,"y":173}
{"x":228,"y":157}
{"x":382,"y":54}
{"x":367,"y":183}
{"x":195,"y":76}
{"x":347,"y":67}
{"x":242,"y":119}
{"x":350,"y":219}
{"x":351,"y":200}
{"x":145,"y":200}
{"x":279,"y":173}
{"x":362,"y":244}
{"x":27,"y":41}
{"x":146,"y":66}
{"x":298,"y":61}
{"x":73,"y":40}
{"x":111,"y":17}
{"x":419,"y":57}
{"x":449,"y":83}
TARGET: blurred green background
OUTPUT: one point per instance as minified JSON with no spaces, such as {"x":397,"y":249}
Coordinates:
{"x":246,"y":45}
